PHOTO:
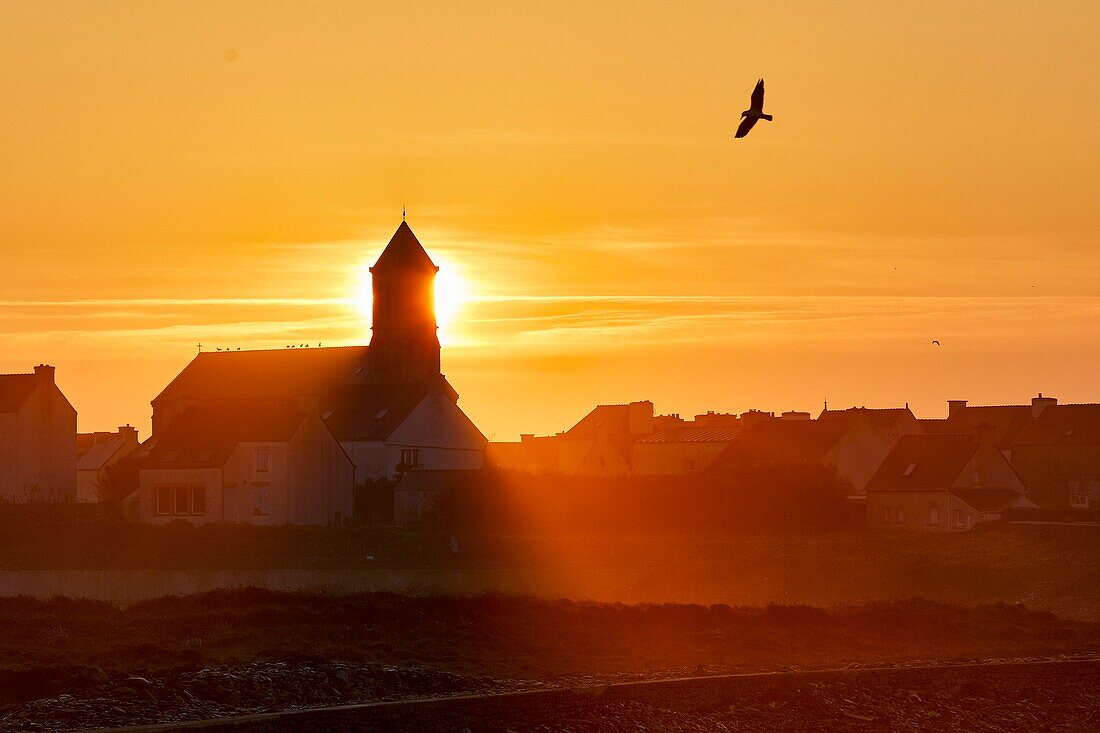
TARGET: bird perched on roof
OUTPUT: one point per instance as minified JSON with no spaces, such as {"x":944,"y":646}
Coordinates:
{"x":754,"y":112}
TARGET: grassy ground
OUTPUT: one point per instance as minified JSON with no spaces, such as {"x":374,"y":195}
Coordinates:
{"x":1051,"y":568}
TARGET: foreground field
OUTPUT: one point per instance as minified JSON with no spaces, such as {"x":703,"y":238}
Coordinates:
{"x":239,"y":651}
{"x":1044,"y":567}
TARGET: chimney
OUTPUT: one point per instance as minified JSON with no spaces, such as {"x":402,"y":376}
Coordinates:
{"x":526,"y":437}
{"x":309,"y":404}
{"x":129,"y":434}
{"x":45,"y":373}
{"x":640,"y":417}
{"x":1040,"y":403}
{"x":983,"y":434}
{"x":954,"y":406}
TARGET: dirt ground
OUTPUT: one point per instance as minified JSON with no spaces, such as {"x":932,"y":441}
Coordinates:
{"x":43,"y":644}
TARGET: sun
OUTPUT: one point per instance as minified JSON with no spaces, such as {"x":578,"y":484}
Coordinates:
{"x":452,"y":293}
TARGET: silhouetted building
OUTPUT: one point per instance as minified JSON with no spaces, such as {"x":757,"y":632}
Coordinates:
{"x":1007,"y":421}
{"x":387,"y":403}
{"x":682,"y":450}
{"x":96,"y":453}
{"x":258,"y":464}
{"x":37,"y":439}
{"x":851,"y":446}
{"x":943,"y":483}
{"x":889,"y":421}
{"x":404,"y":345}
{"x":1058,"y":455}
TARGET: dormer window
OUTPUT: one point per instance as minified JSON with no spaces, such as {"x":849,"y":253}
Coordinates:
{"x":909,"y":469}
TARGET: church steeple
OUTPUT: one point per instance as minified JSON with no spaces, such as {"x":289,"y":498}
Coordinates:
{"x":404,"y":344}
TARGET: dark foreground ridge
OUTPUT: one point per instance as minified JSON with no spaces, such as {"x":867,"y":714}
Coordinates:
{"x":995,"y":696}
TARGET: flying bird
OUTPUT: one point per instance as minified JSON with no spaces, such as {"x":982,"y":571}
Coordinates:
{"x":937,"y":343}
{"x":754,"y":112}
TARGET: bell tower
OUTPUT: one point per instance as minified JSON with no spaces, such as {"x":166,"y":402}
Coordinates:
{"x":404,"y":344}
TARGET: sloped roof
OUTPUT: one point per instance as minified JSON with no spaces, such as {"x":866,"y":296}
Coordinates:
{"x":204,"y":436}
{"x":604,"y":420}
{"x":1008,"y":421}
{"x":95,"y":457}
{"x":372,"y":411}
{"x":404,"y":252}
{"x":924,"y":463}
{"x":990,"y":500}
{"x":15,"y":389}
{"x":268,"y":374}
{"x":1063,"y":425}
{"x":719,"y":434}
{"x":881,"y":419}
{"x":783,"y":441}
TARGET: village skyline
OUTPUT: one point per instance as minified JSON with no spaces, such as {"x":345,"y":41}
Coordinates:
{"x":605,"y":239}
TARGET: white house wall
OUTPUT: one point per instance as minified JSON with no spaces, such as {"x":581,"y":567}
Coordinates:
{"x":437,"y":429}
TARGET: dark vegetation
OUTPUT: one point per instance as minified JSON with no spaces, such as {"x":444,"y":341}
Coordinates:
{"x":785,"y":499}
{"x":45,"y":644}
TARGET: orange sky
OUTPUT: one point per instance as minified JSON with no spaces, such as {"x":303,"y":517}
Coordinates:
{"x":932,"y":172}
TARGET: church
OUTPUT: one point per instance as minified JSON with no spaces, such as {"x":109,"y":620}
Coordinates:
{"x":382,"y":409}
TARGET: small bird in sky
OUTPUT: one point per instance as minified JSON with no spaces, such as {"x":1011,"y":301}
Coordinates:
{"x":936,"y":343}
{"x":754,"y":112}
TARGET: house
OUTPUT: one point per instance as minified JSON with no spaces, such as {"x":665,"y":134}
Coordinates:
{"x":1007,"y":421}
{"x":531,"y":454}
{"x":1058,"y":455}
{"x":681,"y":450}
{"x":387,"y":403}
{"x":37,"y":439}
{"x":600,"y":443}
{"x":943,"y":483}
{"x":890,"y":421}
{"x":260,"y":464}
{"x":96,"y":453}
{"x":852,"y":446}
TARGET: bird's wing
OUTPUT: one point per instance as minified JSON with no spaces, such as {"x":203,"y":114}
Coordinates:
{"x":745,"y":126}
{"x":757,"y":103}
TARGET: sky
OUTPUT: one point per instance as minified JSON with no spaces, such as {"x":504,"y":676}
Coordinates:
{"x":223,"y":173}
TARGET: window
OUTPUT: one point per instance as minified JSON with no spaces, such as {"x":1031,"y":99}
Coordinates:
{"x":198,"y":500}
{"x":909,"y":469}
{"x":181,"y":500}
{"x":934,"y":515}
{"x":689,"y":465}
{"x":263,"y":458}
{"x":976,"y":476}
{"x":164,"y":500}
{"x":901,"y":515}
{"x":261,"y":499}
{"x":959,"y":521}
{"x":410,"y":457}
{"x":1079,"y":501}
{"x":886,"y":515}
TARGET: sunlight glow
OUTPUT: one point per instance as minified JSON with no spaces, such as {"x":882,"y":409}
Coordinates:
{"x":452,"y":292}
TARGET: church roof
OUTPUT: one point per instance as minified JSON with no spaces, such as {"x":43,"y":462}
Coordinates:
{"x":404,"y":252}
{"x":372,"y":411}
{"x":205,"y":435}
{"x":241,"y":376}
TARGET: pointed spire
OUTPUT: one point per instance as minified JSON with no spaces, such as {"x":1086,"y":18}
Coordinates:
{"x":404,"y":252}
